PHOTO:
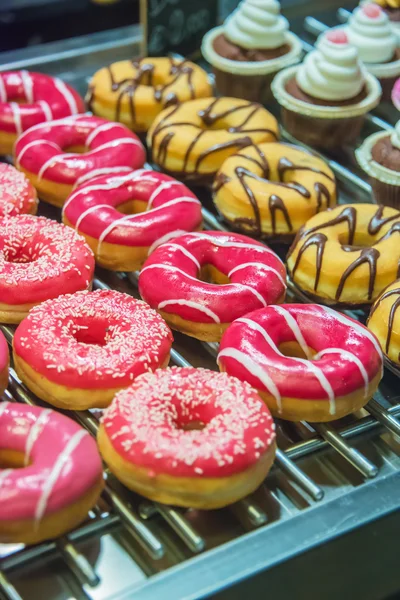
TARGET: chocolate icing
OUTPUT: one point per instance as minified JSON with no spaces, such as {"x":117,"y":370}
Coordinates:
{"x":294,"y":90}
{"x":392,"y":313}
{"x":376,"y":223}
{"x":227,"y":49}
{"x":385,"y":154}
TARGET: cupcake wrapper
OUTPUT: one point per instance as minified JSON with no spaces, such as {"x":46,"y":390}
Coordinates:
{"x":255,"y":88}
{"x":386,"y":194}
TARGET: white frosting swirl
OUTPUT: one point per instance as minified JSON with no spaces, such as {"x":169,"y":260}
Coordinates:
{"x":395,"y":137}
{"x":256,"y":24}
{"x":331,"y":72}
{"x":372,"y":36}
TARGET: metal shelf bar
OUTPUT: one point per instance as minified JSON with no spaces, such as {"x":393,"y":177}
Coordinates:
{"x":383,"y":416}
{"x":182,"y":527}
{"x":77,"y":562}
{"x":301,"y":478}
{"x":7,"y":589}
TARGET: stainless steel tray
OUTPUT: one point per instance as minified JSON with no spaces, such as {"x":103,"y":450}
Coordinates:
{"x":328,"y":480}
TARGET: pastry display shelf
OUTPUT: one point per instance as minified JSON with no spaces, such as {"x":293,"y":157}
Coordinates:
{"x":328,"y":479}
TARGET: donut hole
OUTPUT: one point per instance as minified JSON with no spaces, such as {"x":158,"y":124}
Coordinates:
{"x":94,"y":336}
{"x":191,"y":426}
{"x":22,"y":254}
{"x":12,"y":459}
{"x":132,"y":207}
{"x":210,"y":274}
{"x":78,"y":149}
{"x":294,"y":350}
{"x":361,"y":240}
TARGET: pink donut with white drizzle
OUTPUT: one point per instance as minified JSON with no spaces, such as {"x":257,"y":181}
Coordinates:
{"x":27,"y":99}
{"x":202,"y":281}
{"x":39,"y":258}
{"x":155,"y":203}
{"x":308,"y":362}
{"x":79,"y":350}
{"x":188,"y":437}
{"x":56,"y":154}
{"x":54,"y":476}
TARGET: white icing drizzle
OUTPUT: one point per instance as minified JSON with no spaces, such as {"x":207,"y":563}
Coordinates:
{"x":67,"y":94}
{"x":258,"y":266}
{"x":292,"y":324}
{"x":3,"y":93}
{"x":46,"y":109}
{"x":4,"y":474}
{"x":165,"y":185}
{"x":27,"y":84}
{"x":116,"y":143}
{"x":185,"y":252}
{"x":229,"y":244}
{"x":15,"y":108}
{"x":35,"y":432}
{"x":87,"y":212}
{"x":56,"y":471}
{"x":51,"y":162}
{"x":163,"y":239}
{"x":253,"y":291}
{"x":3,"y":407}
{"x":99,"y":129}
{"x":35,"y":143}
{"x":350,"y":356}
{"x":255,"y":370}
{"x":101,"y":171}
{"x":190,"y":304}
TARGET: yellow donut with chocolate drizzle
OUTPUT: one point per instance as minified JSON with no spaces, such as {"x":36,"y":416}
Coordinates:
{"x":271,"y":190}
{"x":384,"y":321}
{"x":347,"y":255}
{"x":135,"y":92}
{"x":193,"y":140}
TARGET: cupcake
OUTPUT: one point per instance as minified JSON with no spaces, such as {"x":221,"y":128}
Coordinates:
{"x":370,"y":32}
{"x":379,"y":157}
{"x":324,"y":100}
{"x":392,"y":10}
{"x":250,"y":48}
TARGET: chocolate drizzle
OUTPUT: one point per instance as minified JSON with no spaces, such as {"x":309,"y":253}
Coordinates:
{"x":376,"y":223}
{"x":367,"y":255}
{"x":319,"y":240}
{"x":392,"y":313}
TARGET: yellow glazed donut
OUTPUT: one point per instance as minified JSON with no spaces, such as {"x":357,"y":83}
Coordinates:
{"x":135,"y":92}
{"x":271,"y":190}
{"x":347,"y":255}
{"x":193,"y":140}
{"x":384,"y":321}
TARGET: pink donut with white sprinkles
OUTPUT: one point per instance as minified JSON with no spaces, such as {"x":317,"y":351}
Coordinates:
{"x":58,"y":480}
{"x":121,"y":242}
{"x":77,"y":351}
{"x":27,"y":99}
{"x":189,"y":437}
{"x":57,"y":154}
{"x":202,"y":281}
{"x":39,"y":258}
{"x":308,"y":362}
{"x":17,"y":194}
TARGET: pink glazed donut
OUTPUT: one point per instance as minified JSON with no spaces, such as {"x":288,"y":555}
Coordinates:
{"x":154,"y":204}
{"x":55,"y":155}
{"x":51,"y":474}
{"x":39,"y":259}
{"x":27,"y":99}
{"x":17,"y":194}
{"x":188,"y":437}
{"x":201,"y":282}
{"x":4,"y":364}
{"x":308,"y":362}
{"x":79,"y":350}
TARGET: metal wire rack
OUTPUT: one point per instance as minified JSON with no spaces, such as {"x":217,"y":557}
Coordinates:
{"x":149,"y":543}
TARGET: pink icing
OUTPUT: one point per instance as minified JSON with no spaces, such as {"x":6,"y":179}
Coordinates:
{"x":337,"y":36}
{"x":62,"y":462}
{"x":43,"y":149}
{"x":145,"y":423}
{"x":39,"y":258}
{"x":373,"y":11}
{"x":17,"y":194}
{"x":40,"y":98}
{"x":347,"y":356}
{"x":396,"y":94}
{"x":93,"y":340}
{"x":93,"y":208}
{"x":169,"y":278}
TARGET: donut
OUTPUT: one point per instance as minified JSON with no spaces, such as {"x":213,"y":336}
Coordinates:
{"x":384,"y":321}
{"x":307,"y":362}
{"x":55,"y":155}
{"x":348,"y":255}
{"x":77,"y":351}
{"x":135,"y":92}
{"x":27,"y":99}
{"x":153,"y":203}
{"x":39,"y":258}
{"x":271,"y":190}
{"x":4,"y":364}
{"x":17,"y":194}
{"x":193,"y":139}
{"x":50,"y":474}
{"x":201,"y":282}
{"x":188,"y":437}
